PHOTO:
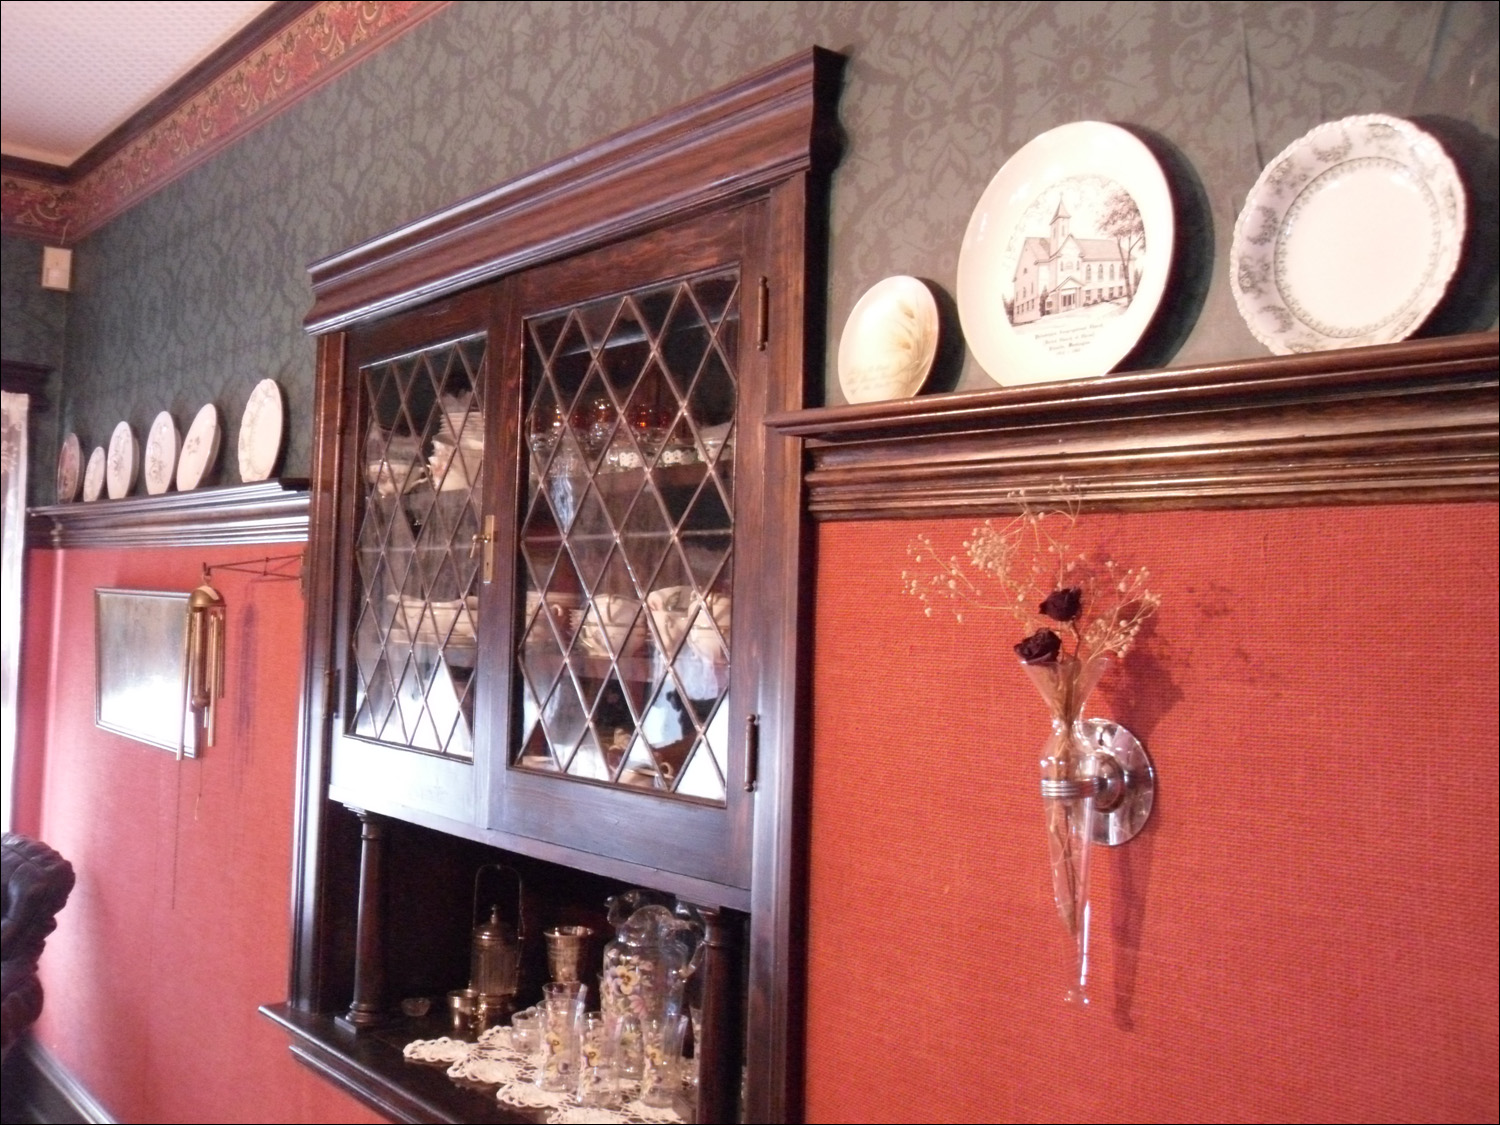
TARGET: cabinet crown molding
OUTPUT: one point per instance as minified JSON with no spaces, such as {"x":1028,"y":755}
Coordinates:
{"x":757,"y":131}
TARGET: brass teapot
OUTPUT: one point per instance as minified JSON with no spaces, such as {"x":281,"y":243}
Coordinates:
{"x":495,"y":952}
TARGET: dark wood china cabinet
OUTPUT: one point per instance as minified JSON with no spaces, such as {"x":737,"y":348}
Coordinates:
{"x":554,"y":596}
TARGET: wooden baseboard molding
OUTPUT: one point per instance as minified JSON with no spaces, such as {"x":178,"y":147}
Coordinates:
{"x":39,"y":1088}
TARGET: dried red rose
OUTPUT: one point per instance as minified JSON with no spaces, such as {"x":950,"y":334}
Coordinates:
{"x":1064,"y":604}
{"x":1041,"y":647}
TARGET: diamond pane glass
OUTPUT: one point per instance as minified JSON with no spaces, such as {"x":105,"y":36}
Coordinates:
{"x":627,"y":534}
{"x":416,"y":600}
{"x":700,"y":778}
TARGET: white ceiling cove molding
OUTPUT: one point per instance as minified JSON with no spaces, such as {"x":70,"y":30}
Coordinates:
{"x":72,"y":73}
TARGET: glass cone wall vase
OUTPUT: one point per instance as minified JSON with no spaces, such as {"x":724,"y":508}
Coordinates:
{"x":1069,"y":761}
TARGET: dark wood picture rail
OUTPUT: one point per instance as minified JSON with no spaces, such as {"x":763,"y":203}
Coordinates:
{"x":273,"y":511}
{"x":1414,"y":422}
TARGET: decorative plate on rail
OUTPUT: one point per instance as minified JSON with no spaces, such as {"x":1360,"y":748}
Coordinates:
{"x":93,"y":476}
{"x":1349,"y":237}
{"x":889,"y":341}
{"x":69,"y":469}
{"x":260,"y":432}
{"x":199,"y":449}
{"x":161,"y":454}
{"x":1066,"y":256}
{"x":124,"y":463}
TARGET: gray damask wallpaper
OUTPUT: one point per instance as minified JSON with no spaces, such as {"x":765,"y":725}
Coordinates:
{"x":33,"y":322}
{"x":199,"y":292}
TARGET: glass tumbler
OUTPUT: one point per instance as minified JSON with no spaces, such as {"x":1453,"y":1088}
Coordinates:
{"x":557,"y":1070}
{"x":661,"y":1059}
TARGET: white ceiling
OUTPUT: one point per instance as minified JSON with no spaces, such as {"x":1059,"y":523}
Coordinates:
{"x":72,"y":72}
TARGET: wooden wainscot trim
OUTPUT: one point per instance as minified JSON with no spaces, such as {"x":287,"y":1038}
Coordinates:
{"x":273,"y":511}
{"x":1414,"y":422}
{"x":735,"y":141}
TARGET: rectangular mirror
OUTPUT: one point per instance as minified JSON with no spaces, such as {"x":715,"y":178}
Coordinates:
{"x":138,"y":638}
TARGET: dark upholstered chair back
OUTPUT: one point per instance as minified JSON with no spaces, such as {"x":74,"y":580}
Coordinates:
{"x":37,"y":884}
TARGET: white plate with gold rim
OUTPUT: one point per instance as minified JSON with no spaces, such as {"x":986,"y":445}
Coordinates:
{"x":260,"y":432}
{"x":124,"y":462}
{"x":161,"y":454}
{"x":1066,"y":256}
{"x":69,"y":469}
{"x":93,"y":476}
{"x":1349,"y":237}
{"x":199,"y":449}
{"x":889,"y":341}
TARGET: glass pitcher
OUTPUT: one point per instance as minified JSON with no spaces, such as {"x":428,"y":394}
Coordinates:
{"x":645,"y":969}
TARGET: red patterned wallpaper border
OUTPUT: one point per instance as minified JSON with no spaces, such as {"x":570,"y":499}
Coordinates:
{"x":321,"y":45}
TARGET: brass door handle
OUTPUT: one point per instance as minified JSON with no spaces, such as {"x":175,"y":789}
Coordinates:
{"x":485,"y":540}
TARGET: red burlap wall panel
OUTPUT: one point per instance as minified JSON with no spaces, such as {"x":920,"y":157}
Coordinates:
{"x":38,"y":653}
{"x":1306,"y":931}
{"x":179,"y":926}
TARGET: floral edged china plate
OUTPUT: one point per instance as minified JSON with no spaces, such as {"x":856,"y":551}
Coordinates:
{"x":200,"y":449}
{"x":69,"y":469}
{"x":1349,"y":237}
{"x":1066,"y":256}
{"x":260,"y":432}
{"x":124,"y":463}
{"x":889,"y":341}
{"x":161,"y":454}
{"x":93,"y":476}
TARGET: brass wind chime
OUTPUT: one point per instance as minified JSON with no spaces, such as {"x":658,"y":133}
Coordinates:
{"x":202,"y":664}
{"x":203,"y":649}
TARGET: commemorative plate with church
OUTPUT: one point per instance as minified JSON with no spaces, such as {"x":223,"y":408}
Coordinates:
{"x":1066,"y":256}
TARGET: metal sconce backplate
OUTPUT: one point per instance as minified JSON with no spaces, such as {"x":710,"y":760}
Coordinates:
{"x":1124,"y":805}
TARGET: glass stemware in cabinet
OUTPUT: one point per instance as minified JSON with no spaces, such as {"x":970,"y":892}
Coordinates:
{"x":414,"y":637}
{"x":627,"y":538}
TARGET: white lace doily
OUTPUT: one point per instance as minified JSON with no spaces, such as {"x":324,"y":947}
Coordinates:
{"x":442,"y":1050}
{"x":492,"y":1061}
{"x":529,"y":1095}
{"x":593,"y":1115}
{"x":485,"y":1066}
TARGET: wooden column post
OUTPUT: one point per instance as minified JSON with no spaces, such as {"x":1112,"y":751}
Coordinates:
{"x":369,"y":1004}
{"x":722,"y":1021}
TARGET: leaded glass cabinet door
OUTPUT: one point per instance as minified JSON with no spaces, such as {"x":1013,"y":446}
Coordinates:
{"x":626,"y":713}
{"x":416,"y":452}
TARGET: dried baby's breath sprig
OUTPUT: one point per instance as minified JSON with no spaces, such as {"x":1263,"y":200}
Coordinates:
{"x":1075,"y":613}
{"x":1033,"y":575}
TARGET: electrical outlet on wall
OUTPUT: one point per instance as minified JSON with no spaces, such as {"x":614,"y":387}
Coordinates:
{"x":57,"y":268}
